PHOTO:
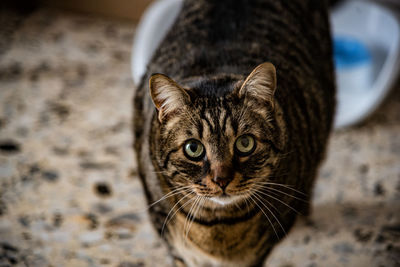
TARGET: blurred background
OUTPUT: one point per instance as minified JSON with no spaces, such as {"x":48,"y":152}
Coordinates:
{"x":69,"y":191}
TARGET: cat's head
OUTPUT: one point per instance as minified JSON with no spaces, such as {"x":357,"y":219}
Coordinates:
{"x":219,"y":138}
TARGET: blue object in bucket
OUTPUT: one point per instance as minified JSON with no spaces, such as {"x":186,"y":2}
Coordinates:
{"x":349,"y":52}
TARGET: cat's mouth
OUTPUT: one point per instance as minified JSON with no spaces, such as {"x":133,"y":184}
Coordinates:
{"x":225,"y":199}
{"x":221,"y":195}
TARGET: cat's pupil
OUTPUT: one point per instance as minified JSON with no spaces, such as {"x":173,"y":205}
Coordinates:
{"x":245,"y":142}
{"x":193,"y":147}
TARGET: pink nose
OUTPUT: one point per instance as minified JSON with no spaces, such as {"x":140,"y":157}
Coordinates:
{"x":222,"y":182}
{"x":223,"y":175}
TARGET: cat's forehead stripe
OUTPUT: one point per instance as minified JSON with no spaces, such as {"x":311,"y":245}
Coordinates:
{"x":199,"y":128}
{"x":210,"y":127}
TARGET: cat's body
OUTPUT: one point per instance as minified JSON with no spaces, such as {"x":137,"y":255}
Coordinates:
{"x":210,"y":51}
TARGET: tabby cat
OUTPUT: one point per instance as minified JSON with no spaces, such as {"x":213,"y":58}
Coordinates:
{"x":229,"y":137}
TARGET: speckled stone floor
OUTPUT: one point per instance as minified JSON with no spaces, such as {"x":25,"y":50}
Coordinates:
{"x":69,"y":192}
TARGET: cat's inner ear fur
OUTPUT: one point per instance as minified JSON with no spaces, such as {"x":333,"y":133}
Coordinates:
{"x":260,"y":84}
{"x":167,"y":95}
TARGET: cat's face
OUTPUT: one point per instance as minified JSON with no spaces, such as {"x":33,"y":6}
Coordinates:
{"x":221,"y":146}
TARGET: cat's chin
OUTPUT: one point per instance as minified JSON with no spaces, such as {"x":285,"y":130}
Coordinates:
{"x":226,"y":200}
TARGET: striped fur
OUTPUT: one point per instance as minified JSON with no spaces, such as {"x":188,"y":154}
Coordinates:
{"x":208,"y":55}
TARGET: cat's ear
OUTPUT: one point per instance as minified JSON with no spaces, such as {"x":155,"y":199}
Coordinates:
{"x":260,"y":84}
{"x":167,"y":95}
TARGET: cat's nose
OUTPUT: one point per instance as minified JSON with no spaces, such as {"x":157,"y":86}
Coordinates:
{"x":223,"y":175}
{"x":222,"y":181}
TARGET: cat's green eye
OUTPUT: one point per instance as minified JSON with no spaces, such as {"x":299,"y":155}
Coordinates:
{"x":194,"y":150}
{"x":245,"y":145}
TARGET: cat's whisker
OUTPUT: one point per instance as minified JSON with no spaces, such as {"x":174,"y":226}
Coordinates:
{"x":270,"y":211}
{"x":247,"y":204}
{"x":277,"y":199}
{"x":277,"y":193}
{"x":168,"y":218}
{"x":177,"y":191}
{"x":261,"y":209}
{"x":199,"y":205}
{"x":190,"y":215}
{"x":172,"y":193}
{"x":182,"y":207}
{"x":171,"y":210}
{"x":236,"y":205}
{"x":290,"y":187}
{"x":175,"y":212}
{"x":263,"y":199}
{"x":261,"y":181}
{"x":280,"y":191}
